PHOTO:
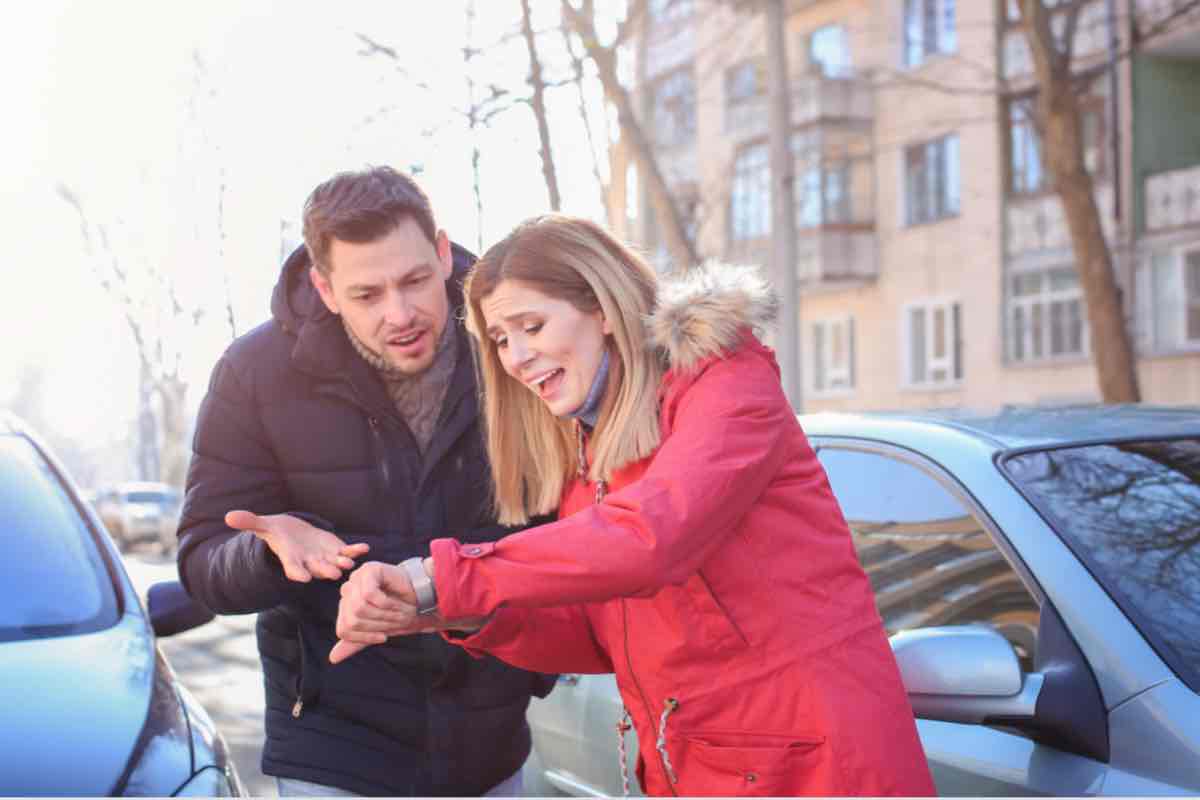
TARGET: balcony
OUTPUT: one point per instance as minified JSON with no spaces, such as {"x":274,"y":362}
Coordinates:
{"x":835,"y":254}
{"x":1091,"y":41}
{"x":815,"y":98}
{"x":824,"y":256}
{"x":1170,"y":31}
{"x":1037,"y":223}
{"x":1173,"y":200}
{"x":669,"y":47}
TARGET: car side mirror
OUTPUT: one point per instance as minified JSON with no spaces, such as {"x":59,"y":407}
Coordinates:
{"x":964,"y":673}
{"x":173,"y":610}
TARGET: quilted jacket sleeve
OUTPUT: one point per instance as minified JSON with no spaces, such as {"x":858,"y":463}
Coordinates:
{"x":232,"y":467}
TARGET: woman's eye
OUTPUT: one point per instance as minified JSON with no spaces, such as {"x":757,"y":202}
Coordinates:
{"x":501,"y":342}
{"x":534,"y":328}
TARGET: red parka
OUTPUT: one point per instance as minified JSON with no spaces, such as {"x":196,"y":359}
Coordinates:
{"x":717,"y":580}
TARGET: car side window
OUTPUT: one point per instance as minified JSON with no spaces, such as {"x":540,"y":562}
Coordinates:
{"x":929,"y":560}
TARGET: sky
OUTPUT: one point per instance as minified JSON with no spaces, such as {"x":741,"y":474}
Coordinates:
{"x":145,"y":110}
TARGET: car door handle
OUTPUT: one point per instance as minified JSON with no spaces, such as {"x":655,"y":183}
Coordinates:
{"x":568,"y":679}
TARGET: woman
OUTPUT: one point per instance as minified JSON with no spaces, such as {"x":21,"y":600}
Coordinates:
{"x":699,"y":553}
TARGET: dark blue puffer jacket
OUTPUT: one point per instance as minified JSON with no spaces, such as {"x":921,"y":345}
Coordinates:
{"x":296,"y":421}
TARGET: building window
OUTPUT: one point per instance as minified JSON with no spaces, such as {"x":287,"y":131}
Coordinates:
{"x":929,"y":29}
{"x":823,"y":196}
{"x":933,"y":335}
{"x":675,"y":109}
{"x":828,"y":52}
{"x":750,"y":204}
{"x":745,"y":88}
{"x":1046,"y":316}
{"x":1175,"y":293}
{"x":1026,"y":169}
{"x":832,"y":356}
{"x":931,"y":174}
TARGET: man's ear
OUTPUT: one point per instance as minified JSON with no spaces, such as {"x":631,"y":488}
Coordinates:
{"x":444,"y":255}
{"x":324,"y":288}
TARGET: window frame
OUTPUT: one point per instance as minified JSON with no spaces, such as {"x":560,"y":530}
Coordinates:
{"x":823,"y":361}
{"x":952,"y":485}
{"x":954,"y":339}
{"x":675,"y":112}
{"x":1174,"y":339}
{"x":1044,"y":299}
{"x":944,"y":200}
{"x":743,"y":181}
{"x":843,"y":70}
{"x":916,"y":52}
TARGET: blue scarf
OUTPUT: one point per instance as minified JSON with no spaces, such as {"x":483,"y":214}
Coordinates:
{"x":589,"y":412}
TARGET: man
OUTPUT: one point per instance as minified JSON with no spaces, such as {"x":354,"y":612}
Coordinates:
{"x":355,"y":408}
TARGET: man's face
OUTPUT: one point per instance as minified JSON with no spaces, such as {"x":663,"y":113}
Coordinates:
{"x":391,"y":293}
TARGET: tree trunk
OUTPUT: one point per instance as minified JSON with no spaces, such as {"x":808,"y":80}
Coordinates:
{"x":679,"y":244}
{"x":173,"y":448}
{"x":783,"y":200}
{"x":538,"y":103}
{"x":1062,"y":147}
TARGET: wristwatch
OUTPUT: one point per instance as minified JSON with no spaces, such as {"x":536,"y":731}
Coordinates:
{"x":422,"y":584}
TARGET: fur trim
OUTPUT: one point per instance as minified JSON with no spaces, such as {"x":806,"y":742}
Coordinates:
{"x":701,"y":312}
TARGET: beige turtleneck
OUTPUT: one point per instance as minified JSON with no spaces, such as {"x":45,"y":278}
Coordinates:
{"x":418,"y":397}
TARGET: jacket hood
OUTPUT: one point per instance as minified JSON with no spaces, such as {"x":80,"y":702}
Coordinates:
{"x":703,"y":312}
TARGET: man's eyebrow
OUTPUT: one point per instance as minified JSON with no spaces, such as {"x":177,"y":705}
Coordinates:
{"x":361,"y":287}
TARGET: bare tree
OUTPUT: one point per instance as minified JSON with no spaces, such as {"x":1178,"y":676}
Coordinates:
{"x":1059,"y":120}
{"x":154,"y":314}
{"x":582,"y":21}
{"x":537,"y":102}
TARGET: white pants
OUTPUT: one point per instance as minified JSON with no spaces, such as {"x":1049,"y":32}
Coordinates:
{"x":513,"y":786}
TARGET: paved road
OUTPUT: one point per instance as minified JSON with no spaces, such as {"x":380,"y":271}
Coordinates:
{"x":219,"y":663}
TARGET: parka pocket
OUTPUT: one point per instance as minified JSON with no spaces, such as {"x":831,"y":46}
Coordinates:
{"x":754,"y":765}
{"x":709,"y":617}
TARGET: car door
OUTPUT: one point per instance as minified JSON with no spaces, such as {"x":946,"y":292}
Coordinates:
{"x":576,"y":749}
{"x":933,"y":560}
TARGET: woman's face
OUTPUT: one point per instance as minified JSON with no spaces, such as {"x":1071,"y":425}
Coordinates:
{"x":547,"y":344}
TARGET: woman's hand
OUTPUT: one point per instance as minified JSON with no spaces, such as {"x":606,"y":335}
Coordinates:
{"x":303,"y":550}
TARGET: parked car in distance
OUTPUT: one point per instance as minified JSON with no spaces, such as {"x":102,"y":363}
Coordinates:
{"x":90,"y":705}
{"x":139,"y":512}
{"x":1038,"y":570}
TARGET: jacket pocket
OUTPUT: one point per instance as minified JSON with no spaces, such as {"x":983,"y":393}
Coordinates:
{"x":754,"y":765}
{"x":710,"y":618}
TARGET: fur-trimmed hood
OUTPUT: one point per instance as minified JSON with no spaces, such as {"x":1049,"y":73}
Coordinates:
{"x":702,"y":312}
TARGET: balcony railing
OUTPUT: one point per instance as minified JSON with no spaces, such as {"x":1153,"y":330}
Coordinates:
{"x":823,"y":255}
{"x":1038,"y":222}
{"x":1173,"y":199}
{"x":814,"y":98}
{"x":1091,"y":40}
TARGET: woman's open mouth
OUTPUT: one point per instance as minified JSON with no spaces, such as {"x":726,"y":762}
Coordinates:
{"x":546,"y":384}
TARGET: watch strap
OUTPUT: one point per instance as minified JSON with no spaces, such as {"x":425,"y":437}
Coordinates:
{"x":422,"y":585}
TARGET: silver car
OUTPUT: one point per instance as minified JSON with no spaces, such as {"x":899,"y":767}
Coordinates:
{"x":1038,"y":570}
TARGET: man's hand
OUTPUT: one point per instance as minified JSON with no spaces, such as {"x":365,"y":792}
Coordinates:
{"x":378,"y":602}
{"x":306,"y":552}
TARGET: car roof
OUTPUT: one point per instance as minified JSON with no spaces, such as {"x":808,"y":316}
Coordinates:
{"x":1011,"y":427}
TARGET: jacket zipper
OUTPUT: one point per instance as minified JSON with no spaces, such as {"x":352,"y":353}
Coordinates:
{"x":601,"y":490}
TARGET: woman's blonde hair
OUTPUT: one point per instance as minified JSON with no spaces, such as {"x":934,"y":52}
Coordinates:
{"x":533,"y":452}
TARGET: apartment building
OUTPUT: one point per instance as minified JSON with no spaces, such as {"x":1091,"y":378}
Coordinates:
{"x":933,"y":259}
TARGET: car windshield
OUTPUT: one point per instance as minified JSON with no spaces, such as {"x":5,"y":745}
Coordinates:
{"x":1131,"y":512}
{"x":53,"y":578}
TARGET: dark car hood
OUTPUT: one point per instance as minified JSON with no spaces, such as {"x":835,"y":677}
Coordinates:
{"x":73,"y":708}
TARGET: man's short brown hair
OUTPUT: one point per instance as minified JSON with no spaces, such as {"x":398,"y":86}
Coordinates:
{"x":361,"y":207}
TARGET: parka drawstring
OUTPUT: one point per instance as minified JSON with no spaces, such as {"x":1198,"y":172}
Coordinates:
{"x":623,"y":726}
{"x":669,"y":706}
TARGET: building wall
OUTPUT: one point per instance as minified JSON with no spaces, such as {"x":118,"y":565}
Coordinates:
{"x":966,"y":257}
